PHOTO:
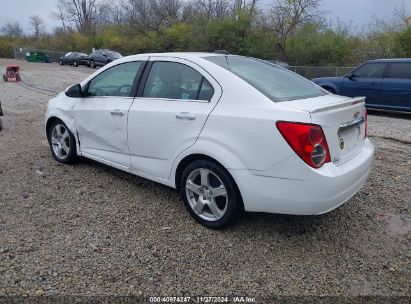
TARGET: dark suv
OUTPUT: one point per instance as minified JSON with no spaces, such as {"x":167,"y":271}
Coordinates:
{"x":385,"y":82}
{"x":102,"y":57}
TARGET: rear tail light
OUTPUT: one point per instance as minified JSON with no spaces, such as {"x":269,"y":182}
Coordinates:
{"x":366,"y":122}
{"x":307,"y":140}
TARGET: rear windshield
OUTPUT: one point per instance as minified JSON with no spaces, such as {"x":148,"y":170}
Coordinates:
{"x":275,"y":82}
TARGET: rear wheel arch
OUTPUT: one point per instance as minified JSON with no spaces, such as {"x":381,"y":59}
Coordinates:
{"x":194,"y":157}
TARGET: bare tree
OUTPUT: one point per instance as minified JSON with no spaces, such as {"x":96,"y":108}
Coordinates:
{"x":113,"y":14}
{"x":288,"y":15}
{"x":37,"y":24}
{"x":12,"y":30}
{"x":400,"y":13}
{"x":80,"y":14}
{"x":211,"y":9}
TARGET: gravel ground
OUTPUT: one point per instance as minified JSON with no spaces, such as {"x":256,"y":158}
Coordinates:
{"x":92,"y":230}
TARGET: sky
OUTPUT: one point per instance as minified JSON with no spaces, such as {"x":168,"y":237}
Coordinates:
{"x":359,"y":12}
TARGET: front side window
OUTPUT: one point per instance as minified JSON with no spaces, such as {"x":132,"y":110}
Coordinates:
{"x":116,"y":81}
{"x":400,"y":70}
{"x":370,"y":70}
{"x":276,"y":83}
{"x":173,"y":80}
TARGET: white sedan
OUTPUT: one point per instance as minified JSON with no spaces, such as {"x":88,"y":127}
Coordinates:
{"x":231,"y":133}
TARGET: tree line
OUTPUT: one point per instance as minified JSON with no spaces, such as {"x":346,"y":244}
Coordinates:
{"x":294,"y":31}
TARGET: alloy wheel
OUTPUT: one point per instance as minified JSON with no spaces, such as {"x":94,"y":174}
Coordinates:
{"x":206,"y":194}
{"x":60,"y":141}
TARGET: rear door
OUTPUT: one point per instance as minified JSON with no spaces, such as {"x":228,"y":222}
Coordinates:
{"x":366,"y":81}
{"x":396,"y":87}
{"x":174,"y":100}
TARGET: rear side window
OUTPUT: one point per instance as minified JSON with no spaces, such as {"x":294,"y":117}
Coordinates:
{"x":206,"y":91}
{"x":370,"y":70}
{"x":172,"y":80}
{"x":400,"y":70}
{"x":275,"y":82}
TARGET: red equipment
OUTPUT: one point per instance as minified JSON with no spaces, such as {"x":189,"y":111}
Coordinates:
{"x":12,"y":73}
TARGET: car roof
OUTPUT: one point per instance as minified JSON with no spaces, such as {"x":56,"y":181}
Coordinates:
{"x":184,"y":55}
{"x":391,"y":60}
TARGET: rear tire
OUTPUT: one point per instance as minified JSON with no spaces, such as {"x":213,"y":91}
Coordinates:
{"x":61,"y":62}
{"x":92,"y":64}
{"x":5,"y":78}
{"x":75,"y":64}
{"x":210,"y":194}
{"x":62,"y":143}
{"x":1,"y":124}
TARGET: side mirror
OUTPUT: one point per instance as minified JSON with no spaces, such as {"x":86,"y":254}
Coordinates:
{"x":351,"y":76}
{"x":75,"y":91}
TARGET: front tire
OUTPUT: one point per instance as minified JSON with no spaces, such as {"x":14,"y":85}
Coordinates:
{"x":62,"y":143}
{"x":61,"y":62}
{"x":75,"y":64}
{"x":210,"y":194}
{"x":92,"y":64}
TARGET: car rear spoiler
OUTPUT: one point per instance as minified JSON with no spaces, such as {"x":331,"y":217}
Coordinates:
{"x":349,"y":102}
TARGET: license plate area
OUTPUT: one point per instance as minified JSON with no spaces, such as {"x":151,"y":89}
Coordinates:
{"x":350,"y":136}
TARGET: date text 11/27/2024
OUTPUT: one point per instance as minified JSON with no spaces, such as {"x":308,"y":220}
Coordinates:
{"x":202,"y":299}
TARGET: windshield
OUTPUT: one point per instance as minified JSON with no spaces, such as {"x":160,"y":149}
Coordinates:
{"x":275,"y":82}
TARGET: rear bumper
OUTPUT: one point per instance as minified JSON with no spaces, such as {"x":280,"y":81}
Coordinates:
{"x":298,"y":189}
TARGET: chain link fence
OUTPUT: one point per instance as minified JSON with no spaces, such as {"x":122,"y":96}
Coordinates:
{"x":311,"y":72}
{"x":21,"y":51}
{"x":308,"y":72}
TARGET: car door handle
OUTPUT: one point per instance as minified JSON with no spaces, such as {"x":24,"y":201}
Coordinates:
{"x":117,"y":112}
{"x":185,"y":116}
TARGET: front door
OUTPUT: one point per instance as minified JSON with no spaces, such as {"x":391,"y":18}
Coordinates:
{"x":101,"y":117}
{"x":366,"y":81}
{"x":169,"y":113}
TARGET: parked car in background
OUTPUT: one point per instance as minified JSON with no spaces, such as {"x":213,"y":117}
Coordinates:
{"x":102,"y":57}
{"x":74,"y":59}
{"x":385,"y":82}
{"x":232,"y":133}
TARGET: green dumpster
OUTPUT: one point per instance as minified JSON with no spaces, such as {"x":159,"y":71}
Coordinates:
{"x":36,"y":57}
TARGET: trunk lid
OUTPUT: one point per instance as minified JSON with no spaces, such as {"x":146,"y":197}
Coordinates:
{"x":342,"y":120}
